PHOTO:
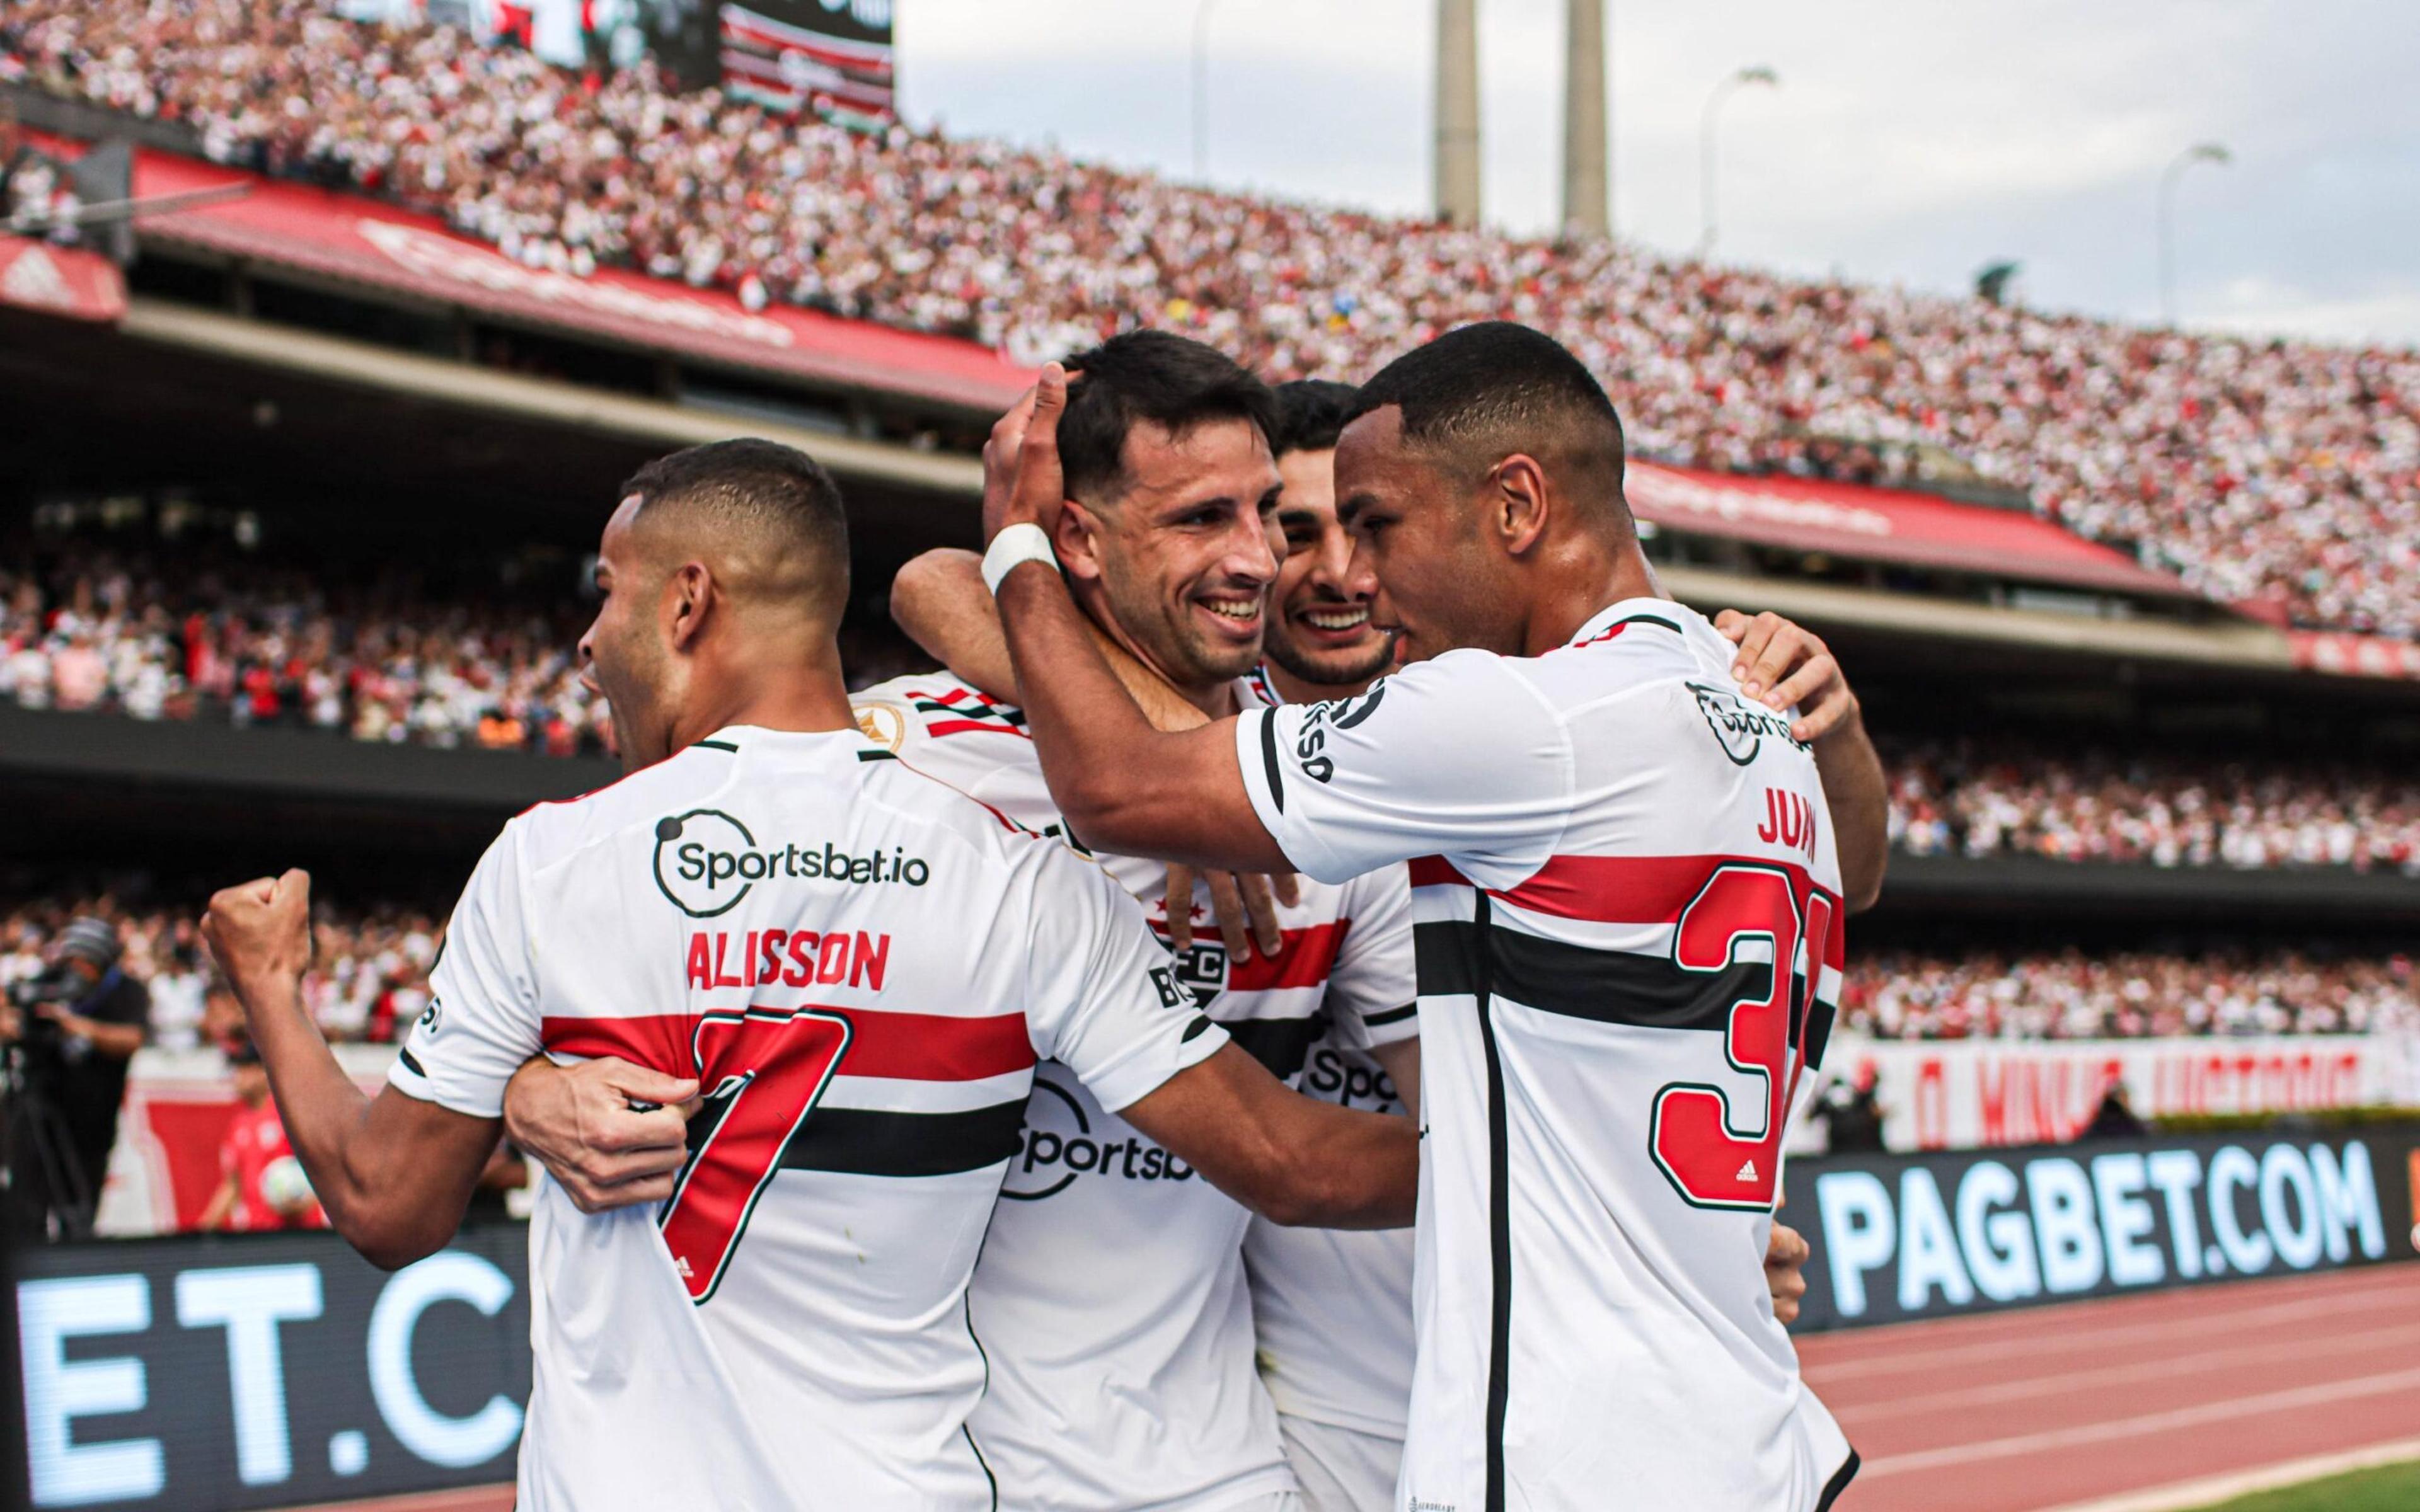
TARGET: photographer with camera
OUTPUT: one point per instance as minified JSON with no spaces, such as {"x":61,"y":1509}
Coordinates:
{"x":68,"y":1033}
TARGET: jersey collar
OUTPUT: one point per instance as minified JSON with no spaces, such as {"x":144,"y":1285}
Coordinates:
{"x":1616,"y":617}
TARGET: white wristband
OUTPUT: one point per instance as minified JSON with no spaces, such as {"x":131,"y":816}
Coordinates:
{"x":1017,"y":542}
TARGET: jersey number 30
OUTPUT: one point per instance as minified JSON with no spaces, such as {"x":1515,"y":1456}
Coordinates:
{"x":1692,"y":1132}
{"x":763,"y":1072}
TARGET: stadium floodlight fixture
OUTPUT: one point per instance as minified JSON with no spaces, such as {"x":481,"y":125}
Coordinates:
{"x":2163,"y":226}
{"x":1731,"y":85}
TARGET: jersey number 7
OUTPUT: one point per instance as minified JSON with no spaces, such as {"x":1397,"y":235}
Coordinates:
{"x":763,"y":1071}
{"x":1764,"y":1035}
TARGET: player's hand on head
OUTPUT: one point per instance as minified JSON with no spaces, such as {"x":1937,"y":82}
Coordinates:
{"x":580,"y":1123}
{"x":1780,"y":664}
{"x":1023,"y":483}
{"x":1785,"y":1269}
{"x":260,"y":931}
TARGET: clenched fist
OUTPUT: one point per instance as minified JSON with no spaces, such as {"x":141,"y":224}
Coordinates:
{"x":260,"y":932}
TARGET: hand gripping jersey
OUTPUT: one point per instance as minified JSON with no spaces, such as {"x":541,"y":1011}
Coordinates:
{"x":861,"y":968}
{"x":1628,"y":914}
{"x":1332,"y":1307}
{"x":1110,"y":1296}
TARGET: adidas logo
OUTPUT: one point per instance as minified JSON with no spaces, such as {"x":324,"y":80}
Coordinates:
{"x":1747,"y":1171}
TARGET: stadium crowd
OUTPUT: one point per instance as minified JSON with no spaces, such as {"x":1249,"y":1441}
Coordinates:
{"x":2012,"y":798}
{"x":369,"y":979}
{"x":2073,"y":996}
{"x":183,"y":631}
{"x":2281,"y":473}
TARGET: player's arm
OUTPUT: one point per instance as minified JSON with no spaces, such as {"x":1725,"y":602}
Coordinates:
{"x":1780,"y":664}
{"x":939,"y":600}
{"x":1292,"y":1159}
{"x":395,"y":1173}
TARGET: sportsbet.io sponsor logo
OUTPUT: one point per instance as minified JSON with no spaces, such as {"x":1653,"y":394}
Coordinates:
{"x":706,"y":862}
{"x":1740,"y":728}
{"x":1059,"y":1146}
{"x":1339,"y":714}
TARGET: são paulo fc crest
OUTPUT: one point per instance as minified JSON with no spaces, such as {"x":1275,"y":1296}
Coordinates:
{"x":1202,"y":970}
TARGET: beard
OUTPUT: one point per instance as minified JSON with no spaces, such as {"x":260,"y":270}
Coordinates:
{"x":1330,"y":668}
{"x":1170,"y":642}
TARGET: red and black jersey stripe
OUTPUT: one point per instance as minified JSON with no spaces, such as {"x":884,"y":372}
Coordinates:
{"x":900,"y":1046}
{"x":958,"y":711}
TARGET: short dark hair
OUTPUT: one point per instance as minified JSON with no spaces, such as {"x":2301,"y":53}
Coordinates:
{"x":1499,"y":388}
{"x":756,"y":485}
{"x":1311,"y":414}
{"x":1152,"y":377}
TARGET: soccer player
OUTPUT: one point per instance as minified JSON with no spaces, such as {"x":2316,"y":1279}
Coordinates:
{"x":1333,"y":1309}
{"x":858,"y":966}
{"x":1110,"y":1296}
{"x":1628,"y":910}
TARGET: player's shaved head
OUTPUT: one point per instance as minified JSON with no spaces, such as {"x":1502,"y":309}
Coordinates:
{"x":766,"y":518}
{"x":1481,"y":476}
{"x":721,"y":578}
{"x":1477,"y":395}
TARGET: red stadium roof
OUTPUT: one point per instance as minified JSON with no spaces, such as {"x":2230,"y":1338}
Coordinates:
{"x":1886,"y":525}
{"x":363,"y":242}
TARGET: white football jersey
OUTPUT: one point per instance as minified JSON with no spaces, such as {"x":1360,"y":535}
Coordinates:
{"x":1110,"y":1296}
{"x":863,"y":969}
{"x":1332,"y":1307}
{"x":1628,"y":917}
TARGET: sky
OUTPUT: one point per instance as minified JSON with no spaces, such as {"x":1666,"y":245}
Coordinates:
{"x":1910,"y":142}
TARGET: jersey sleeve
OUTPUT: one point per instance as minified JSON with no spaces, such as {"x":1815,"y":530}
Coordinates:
{"x":483,"y":1019}
{"x":1100,"y":997}
{"x":1453,"y":757}
{"x":1373,"y":988}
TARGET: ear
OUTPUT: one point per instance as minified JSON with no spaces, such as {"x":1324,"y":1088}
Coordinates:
{"x":1077,"y":540}
{"x":1519,"y":510}
{"x":688,"y":599}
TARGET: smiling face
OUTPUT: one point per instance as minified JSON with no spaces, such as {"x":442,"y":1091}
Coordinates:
{"x":1180,"y":563}
{"x":1417,"y":533}
{"x":1322,"y":631}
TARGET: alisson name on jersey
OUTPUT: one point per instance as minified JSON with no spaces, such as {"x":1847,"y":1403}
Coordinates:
{"x":792,"y":958}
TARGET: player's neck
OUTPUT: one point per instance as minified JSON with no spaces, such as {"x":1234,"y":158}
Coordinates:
{"x":1594,"y":580}
{"x":804,"y":699}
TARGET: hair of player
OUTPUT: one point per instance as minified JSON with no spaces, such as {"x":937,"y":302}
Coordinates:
{"x":1155,"y":378}
{"x":778,"y":495}
{"x":1311,"y":414}
{"x":1477,"y":394}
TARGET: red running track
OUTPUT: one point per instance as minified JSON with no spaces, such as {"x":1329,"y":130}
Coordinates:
{"x":2048,"y":1406}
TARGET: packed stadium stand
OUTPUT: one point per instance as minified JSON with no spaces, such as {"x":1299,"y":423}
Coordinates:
{"x":300,"y":488}
{"x":2276,"y":475}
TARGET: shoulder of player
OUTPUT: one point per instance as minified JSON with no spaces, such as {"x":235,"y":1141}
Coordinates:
{"x":550,"y":831}
{"x":921,"y":799}
{"x":937,"y":707}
